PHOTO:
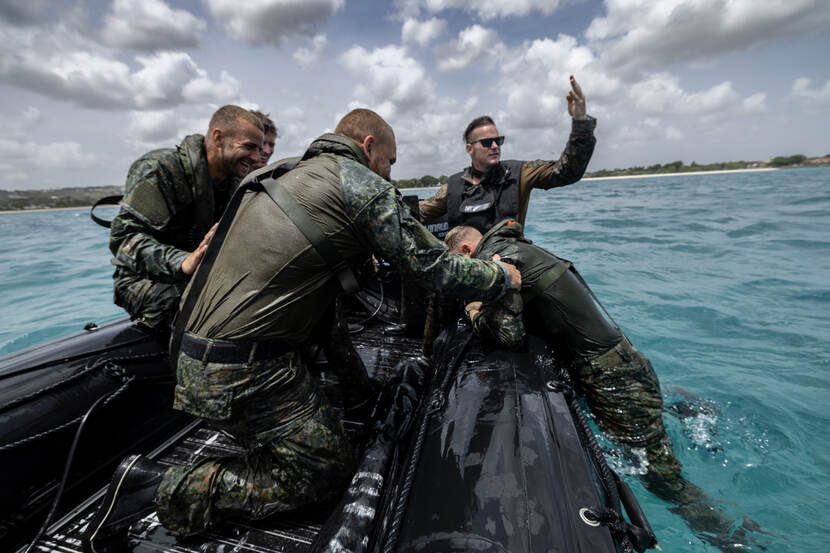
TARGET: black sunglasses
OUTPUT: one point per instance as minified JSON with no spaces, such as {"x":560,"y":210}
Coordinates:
{"x":487,"y":142}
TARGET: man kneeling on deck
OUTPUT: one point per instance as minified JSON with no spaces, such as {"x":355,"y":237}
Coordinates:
{"x":240,"y":365}
{"x":618,"y":382}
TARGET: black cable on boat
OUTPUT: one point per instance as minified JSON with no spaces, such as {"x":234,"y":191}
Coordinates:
{"x":104,"y":364}
{"x":103,"y":400}
{"x":418,"y":443}
{"x":637,"y":536}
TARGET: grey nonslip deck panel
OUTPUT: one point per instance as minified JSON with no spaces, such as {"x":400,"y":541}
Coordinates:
{"x":284,"y":533}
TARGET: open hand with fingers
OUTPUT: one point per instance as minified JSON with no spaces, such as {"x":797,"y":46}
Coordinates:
{"x":576,"y":101}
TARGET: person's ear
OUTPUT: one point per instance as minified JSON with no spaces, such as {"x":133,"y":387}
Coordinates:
{"x":218,"y":136}
{"x":368,"y":145}
{"x":466,"y":250}
{"x":469,"y":148}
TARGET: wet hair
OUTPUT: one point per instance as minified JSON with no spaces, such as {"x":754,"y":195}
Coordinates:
{"x":455,"y":236}
{"x":481,"y":121}
{"x":228,"y":119}
{"x":268,"y":126}
{"x":360,"y":123}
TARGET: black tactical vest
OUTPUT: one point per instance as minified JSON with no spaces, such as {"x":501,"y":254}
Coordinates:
{"x":495,"y":199}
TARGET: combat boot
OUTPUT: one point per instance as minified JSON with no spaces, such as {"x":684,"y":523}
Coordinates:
{"x":130,"y":496}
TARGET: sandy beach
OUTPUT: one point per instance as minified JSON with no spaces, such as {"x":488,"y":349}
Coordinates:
{"x":684,"y":173}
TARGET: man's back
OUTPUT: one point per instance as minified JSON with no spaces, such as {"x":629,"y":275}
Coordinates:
{"x":268,"y":282}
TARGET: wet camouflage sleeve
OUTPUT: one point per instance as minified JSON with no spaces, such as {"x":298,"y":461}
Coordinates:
{"x":435,"y":206}
{"x":501,"y":321}
{"x":396,"y":236}
{"x":145,"y":213}
{"x":571,"y":164}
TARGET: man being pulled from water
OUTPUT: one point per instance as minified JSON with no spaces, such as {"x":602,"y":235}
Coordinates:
{"x":172,"y":199}
{"x":240,"y":365}
{"x":617,"y":381}
{"x":490,"y":190}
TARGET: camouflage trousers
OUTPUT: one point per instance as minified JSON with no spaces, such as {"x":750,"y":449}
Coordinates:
{"x":152,"y":303}
{"x":623,"y":393}
{"x":296,"y":451}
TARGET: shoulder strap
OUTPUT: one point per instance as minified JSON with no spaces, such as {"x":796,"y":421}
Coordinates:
{"x":200,"y":277}
{"x":313,"y":233}
{"x":548,"y":277}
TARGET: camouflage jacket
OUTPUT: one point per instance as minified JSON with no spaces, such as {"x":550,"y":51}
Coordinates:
{"x":169,"y":203}
{"x":269,"y":283}
{"x":568,"y":169}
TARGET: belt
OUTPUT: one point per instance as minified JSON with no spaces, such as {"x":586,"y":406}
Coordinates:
{"x":210,"y":350}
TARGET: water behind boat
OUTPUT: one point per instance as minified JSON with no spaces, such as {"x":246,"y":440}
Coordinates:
{"x":722,"y":280}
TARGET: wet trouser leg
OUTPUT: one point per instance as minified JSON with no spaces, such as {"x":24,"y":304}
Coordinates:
{"x":623,"y":393}
{"x":294,"y":455}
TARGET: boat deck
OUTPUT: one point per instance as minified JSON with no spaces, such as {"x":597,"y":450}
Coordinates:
{"x":289,"y":533}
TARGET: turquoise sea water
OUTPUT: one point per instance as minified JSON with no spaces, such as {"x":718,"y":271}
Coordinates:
{"x":722,"y":280}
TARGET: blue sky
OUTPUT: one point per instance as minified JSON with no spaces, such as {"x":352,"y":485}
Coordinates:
{"x":86,"y":87}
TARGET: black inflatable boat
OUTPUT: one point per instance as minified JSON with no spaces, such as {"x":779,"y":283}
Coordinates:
{"x":499,"y":457}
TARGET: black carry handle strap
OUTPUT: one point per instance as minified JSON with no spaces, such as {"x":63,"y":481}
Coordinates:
{"x":313,"y":233}
{"x":202,"y":271}
{"x":106,"y":200}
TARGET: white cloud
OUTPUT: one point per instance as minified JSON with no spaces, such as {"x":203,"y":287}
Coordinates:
{"x":535,"y":81}
{"x":755,"y":103}
{"x":151,"y":25}
{"x":644,"y":33}
{"x":422,"y":32}
{"x":308,"y":56}
{"x":55,"y":155}
{"x":812,"y":99}
{"x":391,"y":81}
{"x":662,"y":94}
{"x":152,"y":127}
{"x":93,"y":80}
{"x":474,"y":44}
{"x":272,"y":21}
{"x":491,"y":9}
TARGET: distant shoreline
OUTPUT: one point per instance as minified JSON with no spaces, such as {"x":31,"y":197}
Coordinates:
{"x":683,"y":173}
{"x":423,"y":189}
{"x":42,"y":209}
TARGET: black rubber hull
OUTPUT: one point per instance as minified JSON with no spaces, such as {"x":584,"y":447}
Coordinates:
{"x":44,"y":393}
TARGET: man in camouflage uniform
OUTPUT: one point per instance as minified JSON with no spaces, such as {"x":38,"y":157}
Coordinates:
{"x":618,"y":382}
{"x":491,"y":190}
{"x":172,"y":199}
{"x":240,"y":365}
{"x":268,"y":142}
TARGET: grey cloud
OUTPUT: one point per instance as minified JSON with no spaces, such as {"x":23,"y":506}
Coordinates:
{"x":22,"y":12}
{"x":273,"y":21}
{"x":644,"y":34}
{"x":151,"y":25}
{"x":165,"y":80}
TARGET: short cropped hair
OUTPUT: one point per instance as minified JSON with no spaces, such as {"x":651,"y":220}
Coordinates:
{"x":455,"y":236}
{"x":360,"y":123}
{"x":481,"y":121}
{"x":228,"y":119}
{"x":268,"y":126}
